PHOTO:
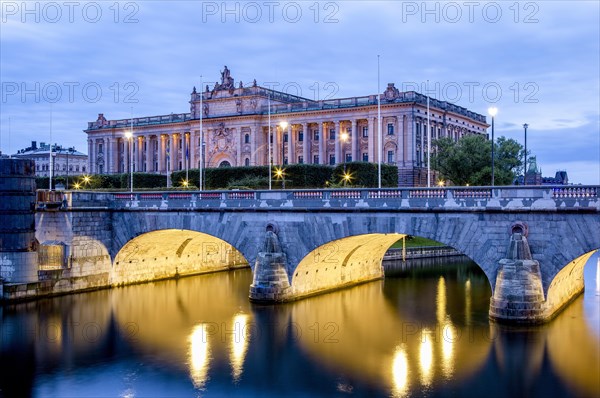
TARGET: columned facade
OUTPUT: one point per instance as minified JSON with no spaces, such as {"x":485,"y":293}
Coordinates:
{"x":235,"y":131}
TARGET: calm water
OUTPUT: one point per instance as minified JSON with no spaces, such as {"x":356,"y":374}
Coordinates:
{"x":418,"y":333}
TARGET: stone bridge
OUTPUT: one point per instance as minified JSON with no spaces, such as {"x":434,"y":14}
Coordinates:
{"x":321,"y":240}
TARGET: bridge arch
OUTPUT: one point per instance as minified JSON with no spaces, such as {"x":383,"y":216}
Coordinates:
{"x":345,"y":261}
{"x":169,"y":253}
{"x":568,"y":282}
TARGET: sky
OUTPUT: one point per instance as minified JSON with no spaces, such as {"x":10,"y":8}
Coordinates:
{"x":538,"y":62}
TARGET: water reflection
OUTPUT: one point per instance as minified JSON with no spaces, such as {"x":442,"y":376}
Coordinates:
{"x":414,"y":333}
{"x":400,"y":372}
{"x":239,"y":344}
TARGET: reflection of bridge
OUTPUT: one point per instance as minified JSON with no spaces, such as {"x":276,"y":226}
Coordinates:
{"x":329,"y":238}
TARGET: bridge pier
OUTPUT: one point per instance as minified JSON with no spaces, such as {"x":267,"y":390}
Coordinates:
{"x":270,"y":282}
{"x":519,"y":294}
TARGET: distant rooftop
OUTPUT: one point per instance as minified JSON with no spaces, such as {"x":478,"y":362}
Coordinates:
{"x":44,"y":149}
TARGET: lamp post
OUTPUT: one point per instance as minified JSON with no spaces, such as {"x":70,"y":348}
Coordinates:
{"x":283,"y":126}
{"x":52,"y":165}
{"x":493,"y":111}
{"x":525,"y":156}
{"x":343,"y":140}
{"x":129,"y":136}
{"x":71,"y":151}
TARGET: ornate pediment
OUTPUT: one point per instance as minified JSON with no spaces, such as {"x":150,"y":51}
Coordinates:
{"x":391,"y":92}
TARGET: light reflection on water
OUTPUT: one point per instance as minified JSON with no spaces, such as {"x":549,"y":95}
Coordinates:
{"x":414,"y":333}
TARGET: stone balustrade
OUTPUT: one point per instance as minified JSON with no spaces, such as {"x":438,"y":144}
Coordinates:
{"x":545,"y":198}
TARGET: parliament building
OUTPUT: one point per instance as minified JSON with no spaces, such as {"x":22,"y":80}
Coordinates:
{"x":235,"y":123}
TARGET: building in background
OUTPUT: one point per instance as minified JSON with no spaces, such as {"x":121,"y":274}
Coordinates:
{"x":66,"y":161}
{"x":235,"y":131}
{"x":533,"y":175}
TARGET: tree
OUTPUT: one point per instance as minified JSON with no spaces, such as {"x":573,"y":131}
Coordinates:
{"x":469,"y":160}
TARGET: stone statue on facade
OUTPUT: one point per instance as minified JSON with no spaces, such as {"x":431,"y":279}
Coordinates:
{"x":238,"y":104}
{"x":227,"y":82}
{"x":205,"y":109}
{"x":254,"y":83}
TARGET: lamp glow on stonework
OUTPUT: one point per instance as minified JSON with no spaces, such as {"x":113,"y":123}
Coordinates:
{"x":129,"y":136}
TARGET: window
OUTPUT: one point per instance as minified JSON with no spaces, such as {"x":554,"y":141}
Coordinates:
{"x":247,"y":160}
{"x":332,"y":159}
{"x":180,"y":168}
{"x":144,"y":167}
{"x":300,"y":136}
{"x":285,"y":137}
{"x":365,"y":157}
{"x":100,"y":169}
{"x":332,"y":134}
{"x":271,"y":138}
{"x":285,"y":160}
{"x":180,"y":143}
{"x":365,"y":131}
{"x":99,"y":148}
{"x":300,"y":159}
{"x":348,"y":157}
{"x":316,"y":135}
{"x":390,"y":129}
{"x":390,"y":156}
{"x":247,"y":139}
{"x":316,"y":159}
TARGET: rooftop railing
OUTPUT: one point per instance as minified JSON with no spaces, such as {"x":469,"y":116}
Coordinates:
{"x":298,"y":104}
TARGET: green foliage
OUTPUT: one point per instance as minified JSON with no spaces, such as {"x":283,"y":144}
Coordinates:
{"x":416,"y":241}
{"x":252,"y":177}
{"x":106,"y":181}
{"x":257,"y":177}
{"x":249,"y":182}
{"x":469,"y":160}
{"x":143,"y":180}
{"x":363,"y":174}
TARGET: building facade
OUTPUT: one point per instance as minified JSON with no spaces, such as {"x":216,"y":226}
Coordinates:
{"x":65,"y":161}
{"x":235,"y":131}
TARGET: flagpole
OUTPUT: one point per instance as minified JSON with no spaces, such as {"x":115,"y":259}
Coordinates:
{"x":428,"y":142}
{"x":379,"y":124}
{"x":185,"y":144}
{"x":201,"y":166}
{"x":9,"y":154}
{"x":51,"y":160}
{"x":270,"y":160}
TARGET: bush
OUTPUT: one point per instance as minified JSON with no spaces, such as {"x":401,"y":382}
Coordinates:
{"x":363,"y":174}
{"x":143,"y":180}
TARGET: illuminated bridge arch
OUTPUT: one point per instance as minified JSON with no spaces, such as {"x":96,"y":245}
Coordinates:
{"x":568,"y":282}
{"x":172,"y":252}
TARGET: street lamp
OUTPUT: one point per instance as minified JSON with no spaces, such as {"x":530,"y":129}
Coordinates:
{"x":283,"y":126}
{"x":344,"y":138}
{"x":129,"y":136}
{"x":71,"y":151}
{"x":525,"y":156}
{"x":280,"y":174}
{"x":493,"y":111}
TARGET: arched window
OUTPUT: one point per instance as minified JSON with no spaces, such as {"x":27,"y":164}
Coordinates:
{"x":247,"y":162}
{"x":247,"y":139}
{"x":225,"y":163}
